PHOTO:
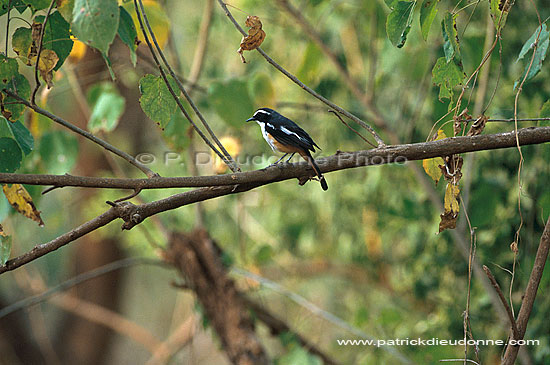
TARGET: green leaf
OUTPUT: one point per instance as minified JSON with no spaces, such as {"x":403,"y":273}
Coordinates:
{"x":451,"y":45}
{"x":428,"y":11}
{"x":57,"y":36}
{"x":21,"y":42}
{"x":446,"y":75}
{"x":107,"y":107}
{"x":65,"y":8}
{"x":95,"y":22}
{"x":5,"y":248}
{"x":399,"y":22}
{"x":532,"y":69}
{"x":8,"y":69}
{"x":23,"y":136}
{"x":128,"y":34}
{"x":18,"y":5}
{"x":545,"y":110}
{"x":231,"y":101}
{"x":37,"y":4}
{"x":297,"y":355}
{"x":20,"y":85}
{"x":10,"y":155}
{"x":175,"y":133}
{"x":156,"y":100}
{"x":58,"y":151}
{"x":498,"y":13}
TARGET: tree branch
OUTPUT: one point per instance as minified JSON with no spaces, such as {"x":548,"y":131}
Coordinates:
{"x":530,"y":294}
{"x":83,"y":133}
{"x":339,"y":161}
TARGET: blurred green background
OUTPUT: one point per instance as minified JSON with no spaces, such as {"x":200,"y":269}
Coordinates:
{"x":367,"y":250}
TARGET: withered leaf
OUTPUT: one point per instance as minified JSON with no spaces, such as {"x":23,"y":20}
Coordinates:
{"x":254,"y":38}
{"x":432,"y":166}
{"x":452,"y":207}
{"x":46,"y":64}
{"x":21,"y":201}
{"x":478,"y":126}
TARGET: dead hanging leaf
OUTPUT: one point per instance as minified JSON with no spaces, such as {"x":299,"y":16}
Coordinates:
{"x":254,"y":38}
{"x":478,"y":126}
{"x":461,"y":121}
{"x":452,"y":168}
{"x":452,"y":207}
{"x":20,"y":199}
{"x":48,"y":60}
{"x":432,"y":165}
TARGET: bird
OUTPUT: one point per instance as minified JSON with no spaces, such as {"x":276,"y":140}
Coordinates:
{"x":283,"y":135}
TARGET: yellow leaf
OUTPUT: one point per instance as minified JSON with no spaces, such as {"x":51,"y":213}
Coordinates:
{"x":233,"y":147}
{"x":157,"y":17}
{"x":451,"y":198}
{"x":46,"y":64}
{"x":431,"y":165}
{"x":20,"y":199}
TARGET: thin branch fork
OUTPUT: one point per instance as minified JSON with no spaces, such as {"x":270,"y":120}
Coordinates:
{"x":294,"y":79}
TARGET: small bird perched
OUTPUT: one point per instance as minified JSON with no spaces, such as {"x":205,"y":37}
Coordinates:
{"x":285,"y":136}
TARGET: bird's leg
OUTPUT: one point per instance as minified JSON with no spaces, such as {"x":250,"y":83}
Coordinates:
{"x":279,"y":160}
{"x":290,"y":158}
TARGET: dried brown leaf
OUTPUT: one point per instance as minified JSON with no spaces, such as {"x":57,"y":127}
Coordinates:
{"x":478,"y":126}
{"x":254,"y":38}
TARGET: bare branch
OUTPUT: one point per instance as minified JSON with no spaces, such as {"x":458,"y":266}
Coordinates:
{"x":42,"y":32}
{"x":503,"y":300}
{"x":339,"y":161}
{"x":83,"y":133}
{"x":340,"y":110}
{"x":530,"y":294}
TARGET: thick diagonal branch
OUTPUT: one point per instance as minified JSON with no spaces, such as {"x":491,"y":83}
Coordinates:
{"x":529,"y":296}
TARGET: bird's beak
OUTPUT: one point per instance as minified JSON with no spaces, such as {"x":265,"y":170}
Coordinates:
{"x":250,"y":119}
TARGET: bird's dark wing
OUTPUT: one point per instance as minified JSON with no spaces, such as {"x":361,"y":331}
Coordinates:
{"x":289,"y":133}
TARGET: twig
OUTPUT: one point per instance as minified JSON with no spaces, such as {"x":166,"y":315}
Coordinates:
{"x":353,"y":130}
{"x":8,"y":26}
{"x":177,"y":340}
{"x":84,"y":133}
{"x":42,"y":31}
{"x":226,"y":157}
{"x":503,"y":300}
{"x":340,"y":110}
{"x":530,"y":294}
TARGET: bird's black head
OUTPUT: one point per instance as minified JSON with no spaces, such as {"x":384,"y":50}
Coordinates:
{"x":263,"y":115}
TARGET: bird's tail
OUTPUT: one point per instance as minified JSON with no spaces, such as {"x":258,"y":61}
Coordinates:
{"x":317,"y":170}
